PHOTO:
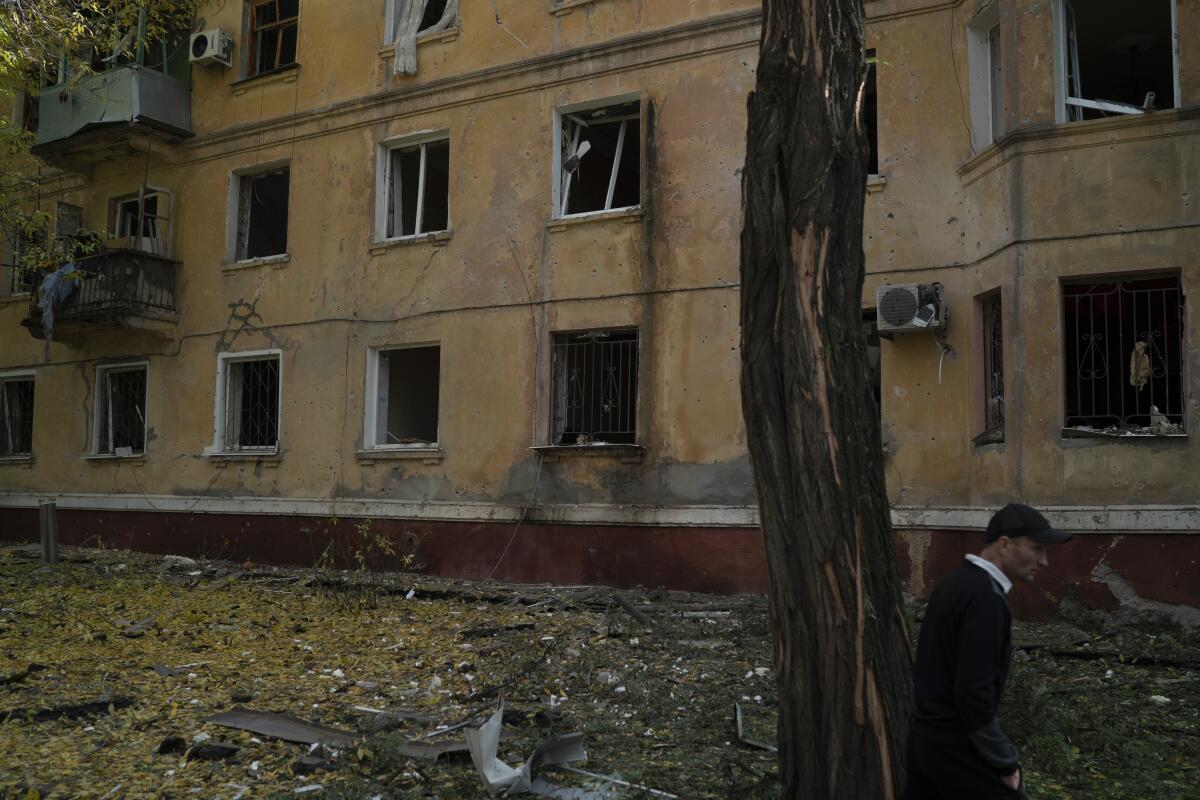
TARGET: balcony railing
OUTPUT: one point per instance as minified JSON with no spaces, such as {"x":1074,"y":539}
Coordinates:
{"x":116,"y":286}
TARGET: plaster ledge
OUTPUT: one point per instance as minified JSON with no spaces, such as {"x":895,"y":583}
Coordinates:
{"x":250,"y":263}
{"x":388,"y":51}
{"x":633,"y":214}
{"x":435,"y":239}
{"x":17,"y":461}
{"x":97,"y":459}
{"x":560,"y":8}
{"x":268,"y":459}
{"x":426,"y":455}
{"x":286,"y":74}
{"x":875,"y":183}
{"x":627,"y":453}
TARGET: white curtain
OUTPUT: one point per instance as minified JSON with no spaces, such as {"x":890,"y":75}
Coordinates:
{"x":408,"y":19}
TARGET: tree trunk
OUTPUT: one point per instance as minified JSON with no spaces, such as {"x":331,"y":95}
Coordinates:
{"x":842,"y":655}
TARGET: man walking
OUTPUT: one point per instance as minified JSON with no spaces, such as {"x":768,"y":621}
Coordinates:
{"x":956,"y":748}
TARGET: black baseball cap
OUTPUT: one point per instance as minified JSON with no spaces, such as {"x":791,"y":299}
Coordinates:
{"x":1017,"y":519}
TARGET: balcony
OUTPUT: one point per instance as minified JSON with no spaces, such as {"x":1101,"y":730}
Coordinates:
{"x":107,"y":115}
{"x":127,"y":289}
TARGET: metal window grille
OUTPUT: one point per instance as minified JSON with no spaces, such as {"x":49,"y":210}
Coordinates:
{"x":993,"y":363}
{"x":16,"y":416}
{"x":1123,"y":352}
{"x":595,"y":387}
{"x":252,"y":405}
{"x":273,"y":34}
{"x":121,"y":421}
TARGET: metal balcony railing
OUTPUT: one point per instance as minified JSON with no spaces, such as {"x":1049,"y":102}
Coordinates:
{"x":113,"y":284}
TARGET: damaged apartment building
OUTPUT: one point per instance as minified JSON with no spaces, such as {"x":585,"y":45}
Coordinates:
{"x":464,"y":273}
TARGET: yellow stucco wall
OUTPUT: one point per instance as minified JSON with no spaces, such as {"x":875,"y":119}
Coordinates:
{"x":1046,"y":202}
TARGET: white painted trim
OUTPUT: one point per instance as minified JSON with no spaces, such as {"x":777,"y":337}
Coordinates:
{"x":590,"y":514}
{"x":232,"y":196}
{"x":383,"y":169}
{"x":556,"y":208}
{"x":1175,"y":51}
{"x":371,"y":402}
{"x":979,"y":74}
{"x":12,"y":374}
{"x":1077,"y":519}
{"x":1059,"y":19}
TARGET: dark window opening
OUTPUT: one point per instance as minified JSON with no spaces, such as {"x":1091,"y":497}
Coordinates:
{"x":1124,"y":354}
{"x":252,"y":404}
{"x":262,"y":215}
{"x":121,"y":414}
{"x":30,"y":253}
{"x":419,"y":189}
{"x":993,"y":367}
{"x":595,"y":387}
{"x":407,"y":403}
{"x":601,"y":159}
{"x":1118,"y":54}
{"x":870,"y":116}
{"x":16,"y":417}
{"x":874,"y":360}
{"x":273,"y":26}
{"x":434,"y":10}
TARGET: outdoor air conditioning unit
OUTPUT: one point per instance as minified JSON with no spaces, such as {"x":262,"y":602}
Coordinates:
{"x":212,"y":46}
{"x":909,"y":307}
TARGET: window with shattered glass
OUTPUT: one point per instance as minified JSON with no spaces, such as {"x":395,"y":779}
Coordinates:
{"x":599,"y":159}
{"x":120,"y":410}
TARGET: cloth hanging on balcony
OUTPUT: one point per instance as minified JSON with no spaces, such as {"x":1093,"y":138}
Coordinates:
{"x":408,"y":21}
{"x":53,"y":290}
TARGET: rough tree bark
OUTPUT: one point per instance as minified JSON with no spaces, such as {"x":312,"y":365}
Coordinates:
{"x":841,"y":653}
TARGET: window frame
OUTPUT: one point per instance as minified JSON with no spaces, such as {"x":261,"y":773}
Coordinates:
{"x":1059,"y":33}
{"x":233,"y":210}
{"x":637,"y":433}
{"x":14,"y":376}
{"x":992,"y":430}
{"x":142,"y":365}
{"x":371,"y":399}
{"x":557,"y":211}
{"x":252,"y":46}
{"x":383,"y":183}
{"x":145,"y":190}
{"x":390,"y":18}
{"x":985,"y":128}
{"x":220,"y":447}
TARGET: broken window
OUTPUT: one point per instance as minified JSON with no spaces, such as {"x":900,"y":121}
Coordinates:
{"x":870,"y":116}
{"x":993,"y":368}
{"x":16,"y":415}
{"x":1124,"y":355}
{"x":249,"y":407}
{"x":262,"y":214}
{"x":273,"y":27}
{"x":595,"y":387}
{"x":142,"y":221}
{"x":407,"y":382}
{"x":408,"y":18}
{"x":986,"y":65}
{"x":29,"y":254}
{"x":1117,"y":57}
{"x":600,"y":159}
{"x":418,"y":189}
{"x":120,"y":410}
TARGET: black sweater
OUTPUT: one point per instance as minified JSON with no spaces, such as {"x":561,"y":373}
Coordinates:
{"x":963,"y":657}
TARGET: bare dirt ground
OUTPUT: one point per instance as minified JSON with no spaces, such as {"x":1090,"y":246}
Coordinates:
{"x":111,"y":662}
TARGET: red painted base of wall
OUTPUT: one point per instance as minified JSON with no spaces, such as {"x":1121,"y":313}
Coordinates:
{"x":717,"y":560}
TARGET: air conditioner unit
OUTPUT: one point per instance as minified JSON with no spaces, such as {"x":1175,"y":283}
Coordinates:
{"x":212,"y":46}
{"x":907,"y":307}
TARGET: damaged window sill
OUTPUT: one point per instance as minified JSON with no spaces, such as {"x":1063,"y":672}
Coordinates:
{"x":16,"y":461}
{"x":1119,"y":435}
{"x":627,"y":453}
{"x":426,"y":455}
{"x":435,"y":239}
{"x":268,"y":458}
{"x":875,"y":183}
{"x":13,"y":299}
{"x":560,"y":8}
{"x":137,"y":459}
{"x":631,"y":214}
{"x":285,"y":74}
{"x":249,"y":263}
{"x":449,"y":35}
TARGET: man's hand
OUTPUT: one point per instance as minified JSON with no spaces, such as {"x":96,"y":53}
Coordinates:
{"x":1012,"y":781}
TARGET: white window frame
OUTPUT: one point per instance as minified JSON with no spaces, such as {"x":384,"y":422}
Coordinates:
{"x":383,"y":180}
{"x":556,"y":178}
{"x":224,"y":360}
{"x":98,"y":447}
{"x":981,"y":70}
{"x":232,"y":203}
{"x":371,"y":402}
{"x":18,"y":375}
{"x":1062,"y":98}
{"x":139,"y":242}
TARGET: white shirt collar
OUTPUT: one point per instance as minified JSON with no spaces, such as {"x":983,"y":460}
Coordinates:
{"x":991,"y":569}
